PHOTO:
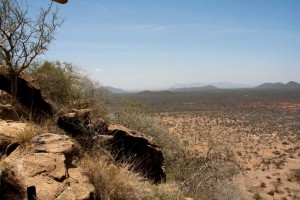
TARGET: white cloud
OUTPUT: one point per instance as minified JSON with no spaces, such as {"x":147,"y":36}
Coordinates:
{"x":98,"y":70}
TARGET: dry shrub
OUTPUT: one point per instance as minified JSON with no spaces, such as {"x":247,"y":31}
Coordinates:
{"x":112,"y":182}
{"x":25,"y":136}
{"x":296,"y":174}
{"x":168,"y":191}
{"x":199,"y":177}
{"x":207,"y":177}
{"x":119,"y":183}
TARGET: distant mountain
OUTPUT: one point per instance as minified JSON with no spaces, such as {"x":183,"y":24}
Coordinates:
{"x":115,"y":90}
{"x":293,"y":84}
{"x":190,"y":89}
{"x":225,"y":85}
{"x":148,"y":92}
{"x":279,"y":85}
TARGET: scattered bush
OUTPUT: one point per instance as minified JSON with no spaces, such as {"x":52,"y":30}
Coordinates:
{"x":257,"y":196}
{"x":296,"y":174}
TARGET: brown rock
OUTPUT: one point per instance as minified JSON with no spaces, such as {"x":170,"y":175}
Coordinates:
{"x":43,"y":165}
{"x":7,"y":112}
{"x":146,"y":157}
{"x":125,"y":144}
{"x":28,"y":94}
{"x":9,"y":131}
{"x":53,"y":143}
{"x":76,"y":123}
{"x":100,"y":126}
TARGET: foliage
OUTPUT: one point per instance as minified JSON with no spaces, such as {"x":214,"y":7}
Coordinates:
{"x":64,"y":83}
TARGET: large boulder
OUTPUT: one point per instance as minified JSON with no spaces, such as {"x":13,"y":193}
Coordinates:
{"x":76,"y":123}
{"x":124,"y":144}
{"x":28,"y":94}
{"x":146,"y":157}
{"x":47,"y":165}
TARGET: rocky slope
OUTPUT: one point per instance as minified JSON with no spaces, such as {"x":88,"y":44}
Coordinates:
{"x":44,"y":166}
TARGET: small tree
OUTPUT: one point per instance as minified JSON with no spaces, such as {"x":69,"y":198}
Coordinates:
{"x":64,"y":83}
{"x":23,"y":38}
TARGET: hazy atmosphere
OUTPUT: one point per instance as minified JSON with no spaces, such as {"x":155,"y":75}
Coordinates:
{"x":157,"y":44}
{"x":150,"y":99}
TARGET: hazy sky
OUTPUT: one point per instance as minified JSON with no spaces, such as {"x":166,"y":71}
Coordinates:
{"x":151,"y":44}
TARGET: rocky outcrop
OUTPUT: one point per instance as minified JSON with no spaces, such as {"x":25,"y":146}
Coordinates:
{"x":7,"y":112}
{"x":124,"y":144}
{"x":46,"y":164}
{"x":28,"y":94}
{"x":76,"y":123}
{"x":147,"y":158}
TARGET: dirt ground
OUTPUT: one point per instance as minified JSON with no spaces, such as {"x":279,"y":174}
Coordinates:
{"x":265,"y":139}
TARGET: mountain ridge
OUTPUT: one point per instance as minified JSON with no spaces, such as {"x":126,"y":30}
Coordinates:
{"x":279,"y":85}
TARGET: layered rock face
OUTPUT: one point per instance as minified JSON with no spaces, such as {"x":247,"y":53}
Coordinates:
{"x":46,"y":165}
{"x":28,"y":94}
{"x":124,"y":144}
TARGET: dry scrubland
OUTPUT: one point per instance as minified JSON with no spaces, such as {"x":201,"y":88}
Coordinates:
{"x":258,"y":130}
{"x":220,"y":144}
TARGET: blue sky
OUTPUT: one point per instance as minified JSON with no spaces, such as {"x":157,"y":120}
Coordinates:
{"x":143,"y":44}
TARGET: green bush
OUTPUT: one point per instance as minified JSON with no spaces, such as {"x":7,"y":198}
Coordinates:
{"x":64,"y":83}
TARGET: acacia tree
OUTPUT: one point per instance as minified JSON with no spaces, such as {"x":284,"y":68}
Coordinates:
{"x":23,"y":37}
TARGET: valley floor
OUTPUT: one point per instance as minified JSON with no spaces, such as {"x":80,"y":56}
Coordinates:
{"x":261,"y":127}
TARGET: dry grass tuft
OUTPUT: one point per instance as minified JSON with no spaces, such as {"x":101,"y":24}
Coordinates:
{"x":112,"y":182}
{"x":119,"y":183}
{"x":168,"y":191}
{"x":26,"y":135}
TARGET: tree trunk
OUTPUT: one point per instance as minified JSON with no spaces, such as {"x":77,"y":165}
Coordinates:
{"x":13,"y":88}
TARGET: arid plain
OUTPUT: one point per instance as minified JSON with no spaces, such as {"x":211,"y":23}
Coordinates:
{"x":260,"y":126}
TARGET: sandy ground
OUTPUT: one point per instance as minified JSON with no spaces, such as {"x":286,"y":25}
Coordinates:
{"x":267,"y":156}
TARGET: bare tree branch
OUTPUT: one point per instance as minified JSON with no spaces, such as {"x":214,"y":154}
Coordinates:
{"x":22,"y":37}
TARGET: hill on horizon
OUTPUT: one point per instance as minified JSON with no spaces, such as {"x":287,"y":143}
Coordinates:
{"x":279,"y":85}
{"x":221,"y":85}
{"x":115,"y":90}
{"x":148,"y":92}
{"x":190,"y":89}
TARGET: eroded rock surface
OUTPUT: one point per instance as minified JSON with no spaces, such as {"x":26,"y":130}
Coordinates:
{"x":47,"y":165}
